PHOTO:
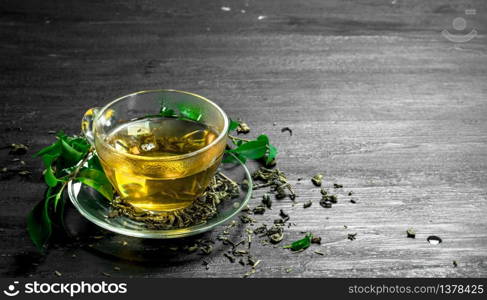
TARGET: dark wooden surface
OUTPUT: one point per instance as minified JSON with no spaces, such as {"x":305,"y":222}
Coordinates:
{"x":377,"y":98}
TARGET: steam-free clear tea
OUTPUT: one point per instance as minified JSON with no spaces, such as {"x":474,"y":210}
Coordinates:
{"x":143,"y":161}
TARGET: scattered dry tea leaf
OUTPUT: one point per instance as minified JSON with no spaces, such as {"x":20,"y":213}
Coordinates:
{"x":266,"y":200}
{"x":283,"y":215}
{"x":307,"y":204}
{"x":275,"y":233}
{"x":316,"y":240}
{"x":25,"y":173}
{"x":243,"y":128}
{"x":206,"y":264}
{"x":18,"y":149}
{"x":259,"y":210}
{"x":317,"y":179}
{"x":230,"y":258}
{"x":411,"y":233}
{"x":246,"y":219}
{"x":284,"y":129}
{"x":325,"y":203}
{"x":206,"y":249}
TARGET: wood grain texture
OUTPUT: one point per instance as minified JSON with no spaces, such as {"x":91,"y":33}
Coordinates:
{"x":377,"y":98}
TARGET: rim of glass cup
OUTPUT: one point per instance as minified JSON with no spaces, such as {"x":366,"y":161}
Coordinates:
{"x":221,"y":135}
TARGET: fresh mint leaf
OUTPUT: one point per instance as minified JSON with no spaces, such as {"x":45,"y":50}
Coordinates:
{"x":300,"y":244}
{"x":263,"y":138}
{"x":79,"y":144}
{"x":97,"y":180}
{"x":53,"y":195}
{"x":52,"y":150}
{"x":191,"y":113}
{"x":48,"y":159}
{"x":50,"y":178}
{"x":39,"y":225}
{"x":235,"y":158}
{"x":57,"y":198}
{"x":70,"y":155}
{"x":60,"y":215}
{"x":94,"y":163}
{"x":166,"y":112}
{"x":251,"y":150}
{"x":60,"y":160}
{"x":272,"y":153}
{"x":233,"y":125}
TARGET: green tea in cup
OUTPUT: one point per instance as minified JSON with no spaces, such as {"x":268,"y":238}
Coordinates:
{"x":159,"y":162}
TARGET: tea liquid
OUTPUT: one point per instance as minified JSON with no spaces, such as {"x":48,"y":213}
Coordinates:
{"x":145,"y":168}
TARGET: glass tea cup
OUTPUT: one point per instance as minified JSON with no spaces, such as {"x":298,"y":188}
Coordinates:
{"x":158,"y":148}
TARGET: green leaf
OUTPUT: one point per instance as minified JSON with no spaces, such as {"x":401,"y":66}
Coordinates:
{"x":57,"y":197}
{"x":48,"y":159}
{"x":62,"y":156}
{"x":105,"y":190}
{"x":50,"y":178}
{"x":232,"y":159}
{"x":252,"y":150}
{"x":97,"y":180}
{"x":256,"y":149}
{"x":54,"y":195}
{"x":263,"y":138}
{"x":191,"y":113}
{"x":61,"y":135}
{"x":166,"y":112}
{"x":70,"y":155}
{"x":94,"y":174}
{"x":60,"y":212}
{"x":39,"y":225}
{"x":68,"y":171}
{"x":53,"y":150}
{"x":94,"y":163}
{"x":300,"y":244}
{"x":233,"y":125}
{"x":271,"y":154}
{"x":79,"y":144}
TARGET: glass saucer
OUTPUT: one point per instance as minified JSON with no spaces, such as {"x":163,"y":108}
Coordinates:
{"x":95,"y":208}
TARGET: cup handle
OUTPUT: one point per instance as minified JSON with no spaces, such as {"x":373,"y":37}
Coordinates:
{"x":87,"y":124}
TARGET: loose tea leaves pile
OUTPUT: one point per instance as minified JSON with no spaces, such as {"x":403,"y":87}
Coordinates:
{"x":204,"y":208}
{"x":276,"y":180}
